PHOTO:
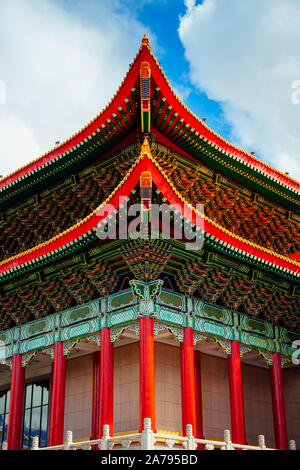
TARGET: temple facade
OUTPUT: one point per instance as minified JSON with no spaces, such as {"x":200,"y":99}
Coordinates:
{"x":149,"y":270}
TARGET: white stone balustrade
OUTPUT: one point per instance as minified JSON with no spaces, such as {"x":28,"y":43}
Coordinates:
{"x":148,"y":440}
{"x":293,"y":445}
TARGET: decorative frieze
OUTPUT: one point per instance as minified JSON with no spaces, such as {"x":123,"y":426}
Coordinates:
{"x":148,"y":294}
{"x":213,"y":328}
{"x":7,"y":337}
{"x":94,"y":339}
{"x":159,"y":327}
{"x":225,"y":345}
{"x":285,"y":360}
{"x":78,"y":314}
{"x":199,"y":338}
{"x":80,"y":330}
{"x":267,"y":356}
{"x":260,"y":342}
{"x":169,"y":316}
{"x":39,"y":327}
{"x":175,"y":331}
{"x":49,"y":351}
{"x":37,"y":343}
{"x":26,"y":358}
{"x":171,"y":311}
{"x":124,"y":316}
{"x":121,"y":300}
{"x":115,"y":333}
{"x":5,"y":352}
{"x":172,"y":300}
{"x":256,"y":326}
{"x":213,"y":312}
{"x":244,"y":350}
{"x":69,"y":346}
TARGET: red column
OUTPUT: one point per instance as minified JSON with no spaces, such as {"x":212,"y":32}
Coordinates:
{"x":57,"y":409}
{"x":280,"y":429}
{"x":96,"y":395}
{"x":188,"y":398}
{"x":198,"y":397}
{"x":106,"y":408}
{"x":236,"y":395}
{"x":16,"y":405}
{"x":147,"y":372}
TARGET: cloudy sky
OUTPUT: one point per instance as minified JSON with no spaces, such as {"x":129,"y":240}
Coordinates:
{"x":234,"y":62}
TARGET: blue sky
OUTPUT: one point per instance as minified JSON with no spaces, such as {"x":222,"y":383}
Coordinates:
{"x":163,"y":20}
{"x":234,"y":62}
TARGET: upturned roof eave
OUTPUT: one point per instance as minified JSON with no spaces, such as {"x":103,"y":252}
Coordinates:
{"x":207,"y":134}
{"x":214,"y":233}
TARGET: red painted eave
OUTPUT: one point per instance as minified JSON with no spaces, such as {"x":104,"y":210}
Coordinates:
{"x":160,"y":80}
{"x":129,"y":182}
{"x":295,"y":256}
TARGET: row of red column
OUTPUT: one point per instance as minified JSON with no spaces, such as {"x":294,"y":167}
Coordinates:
{"x":103,"y":390}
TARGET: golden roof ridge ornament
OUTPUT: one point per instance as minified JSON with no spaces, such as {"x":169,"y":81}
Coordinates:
{"x":145,"y":149}
{"x":145,"y":42}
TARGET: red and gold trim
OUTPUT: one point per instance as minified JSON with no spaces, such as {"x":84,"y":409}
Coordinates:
{"x":170,"y":114}
{"x":146,"y":162}
{"x":145,"y":83}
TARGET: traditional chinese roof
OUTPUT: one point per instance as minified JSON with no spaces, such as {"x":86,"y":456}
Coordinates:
{"x":83,"y":229}
{"x":251,"y":210}
{"x":74,"y":266}
{"x":146,"y":101}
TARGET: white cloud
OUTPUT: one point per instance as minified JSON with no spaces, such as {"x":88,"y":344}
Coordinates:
{"x":245,"y":54}
{"x":182,"y":91}
{"x":61,"y":63}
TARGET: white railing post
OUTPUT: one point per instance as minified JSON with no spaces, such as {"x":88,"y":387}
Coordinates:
{"x":293,"y":445}
{"x":105,"y":438}
{"x":227,"y":439}
{"x":147,"y":439}
{"x":35,"y":443}
{"x":190,"y":438}
{"x":4,"y":445}
{"x":261,"y":442}
{"x":69,"y":440}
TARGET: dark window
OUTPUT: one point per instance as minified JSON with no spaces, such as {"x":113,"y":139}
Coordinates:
{"x":4,"y":409}
{"x":36,"y":413}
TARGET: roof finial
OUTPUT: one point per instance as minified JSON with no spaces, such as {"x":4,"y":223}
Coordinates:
{"x":146,"y":149}
{"x":145,"y":41}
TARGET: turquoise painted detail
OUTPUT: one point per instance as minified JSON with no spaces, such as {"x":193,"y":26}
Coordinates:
{"x":124,"y":308}
{"x":125,"y":316}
